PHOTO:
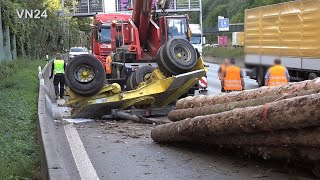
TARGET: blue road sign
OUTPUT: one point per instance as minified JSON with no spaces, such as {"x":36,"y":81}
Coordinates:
{"x":223,"y":24}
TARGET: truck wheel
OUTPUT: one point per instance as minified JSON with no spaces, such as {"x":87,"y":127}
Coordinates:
{"x":312,"y":76}
{"x":141,"y":74}
{"x":129,"y":85}
{"x":180,"y":55}
{"x":176,"y":56}
{"x":165,"y":69}
{"x":85,"y":75}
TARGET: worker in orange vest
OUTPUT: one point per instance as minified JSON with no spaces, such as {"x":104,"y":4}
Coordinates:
{"x":233,"y":78}
{"x":221,"y":71}
{"x":277,"y":75}
{"x":108,"y":66}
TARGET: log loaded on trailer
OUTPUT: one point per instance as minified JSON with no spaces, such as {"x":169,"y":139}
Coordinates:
{"x":165,"y":63}
{"x":289,"y":31}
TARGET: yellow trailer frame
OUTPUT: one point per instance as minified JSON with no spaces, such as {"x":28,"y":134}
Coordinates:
{"x":157,"y":91}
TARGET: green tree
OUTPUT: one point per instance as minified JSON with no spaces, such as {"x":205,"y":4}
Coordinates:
{"x":37,"y":37}
{"x":233,"y":9}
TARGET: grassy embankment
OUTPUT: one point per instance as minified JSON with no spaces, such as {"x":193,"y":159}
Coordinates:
{"x":19,"y":152}
{"x":216,"y":55}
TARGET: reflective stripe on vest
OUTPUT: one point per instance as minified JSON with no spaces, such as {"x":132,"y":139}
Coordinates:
{"x":108,"y":65}
{"x":58,"y":66}
{"x":277,"y":76}
{"x":232,"y":81}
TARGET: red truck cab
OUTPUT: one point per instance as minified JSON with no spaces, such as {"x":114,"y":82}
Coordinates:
{"x":104,"y":34}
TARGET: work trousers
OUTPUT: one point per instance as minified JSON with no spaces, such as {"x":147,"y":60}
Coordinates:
{"x":59,"y":80}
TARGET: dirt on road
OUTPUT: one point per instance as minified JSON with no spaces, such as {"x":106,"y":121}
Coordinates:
{"x":124,"y":150}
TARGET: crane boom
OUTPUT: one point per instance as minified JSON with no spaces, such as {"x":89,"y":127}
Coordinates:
{"x":141,"y":18}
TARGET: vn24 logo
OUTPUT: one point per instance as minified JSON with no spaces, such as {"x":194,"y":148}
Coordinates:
{"x":31,"y":14}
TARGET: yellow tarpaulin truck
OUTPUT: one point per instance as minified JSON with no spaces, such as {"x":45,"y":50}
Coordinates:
{"x":289,"y":31}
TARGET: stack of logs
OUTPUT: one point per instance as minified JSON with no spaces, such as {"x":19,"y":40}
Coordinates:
{"x":278,"y":122}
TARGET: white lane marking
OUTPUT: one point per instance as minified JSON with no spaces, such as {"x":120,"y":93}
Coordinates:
{"x":81,"y":158}
{"x":75,"y":121}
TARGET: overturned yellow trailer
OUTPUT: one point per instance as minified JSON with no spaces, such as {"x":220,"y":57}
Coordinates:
{"x":157,"y":89}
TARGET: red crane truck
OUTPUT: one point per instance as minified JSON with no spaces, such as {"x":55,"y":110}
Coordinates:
{"x":140,"y":42}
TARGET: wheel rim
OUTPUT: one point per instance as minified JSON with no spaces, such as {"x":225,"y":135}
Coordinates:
{"x":146,"y":76}
{"x":84,"y":73}
{"x":182,"y":53}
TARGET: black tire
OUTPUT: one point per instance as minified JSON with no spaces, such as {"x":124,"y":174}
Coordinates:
{"x":312,"y":76}
{"x":187,"y":52}
{"x":129,"y":85}
{"x":140,"y":75}
{"x":93,"y":84}
{"x":162,"y":64}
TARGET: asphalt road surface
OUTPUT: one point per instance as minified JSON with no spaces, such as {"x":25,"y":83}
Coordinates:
{"x":124,"y":150}
{"x":214,"y":82}
{"x":94,"y":149}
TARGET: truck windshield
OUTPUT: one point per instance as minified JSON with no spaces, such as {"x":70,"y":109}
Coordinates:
{"x":195,"y":39}
{"x":177,"y":28}
{"x":104,"y":34}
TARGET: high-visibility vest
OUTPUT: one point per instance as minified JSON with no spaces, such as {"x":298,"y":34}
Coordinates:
{"x":277,"y":76}
{"x":223,"y":69}
{"x":108,"y":65}
{"x":58,"y":65}
{"x":232,"y":81}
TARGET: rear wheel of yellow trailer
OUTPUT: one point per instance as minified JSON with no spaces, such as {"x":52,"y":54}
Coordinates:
{"x":138,"y":77}
{"x":177,"y":56}
{"x":85,"y":75}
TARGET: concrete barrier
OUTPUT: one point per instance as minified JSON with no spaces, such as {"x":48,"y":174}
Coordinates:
{"x":52,"y":166}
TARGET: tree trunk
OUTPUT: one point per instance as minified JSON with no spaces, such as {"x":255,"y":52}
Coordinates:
{"x":293,"y":113}
{"x":200,"y":101}
{"x":181,"y":114}
{"x":306,"y":137}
